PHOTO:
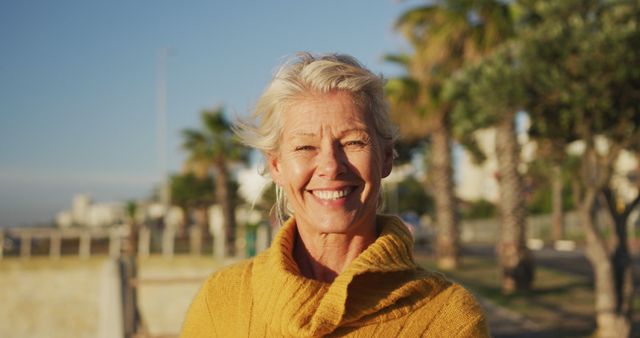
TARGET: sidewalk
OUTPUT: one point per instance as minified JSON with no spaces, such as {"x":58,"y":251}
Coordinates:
{"x":505,"y":323}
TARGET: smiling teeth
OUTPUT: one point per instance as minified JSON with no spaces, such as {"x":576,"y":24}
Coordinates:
{"x":331,"y":194}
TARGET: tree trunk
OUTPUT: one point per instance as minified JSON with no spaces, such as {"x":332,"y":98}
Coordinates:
{"x":612,"y":277}
{"x":201,"y":219}
{"x":447,"y":248}
{"x":557,"y":207}
{"x":515,"y":259}
{"x":225,"y":199}
{"x":612,"y":269}
{"x":615,"y":317}
{"x":611,"y":321}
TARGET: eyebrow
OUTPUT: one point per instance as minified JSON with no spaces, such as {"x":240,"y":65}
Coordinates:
{"x":303,"y":133}
{"x":356,"y":130}
{"x":342,"y":133}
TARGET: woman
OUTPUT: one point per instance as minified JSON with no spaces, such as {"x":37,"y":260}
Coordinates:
{"x":336,"y":267}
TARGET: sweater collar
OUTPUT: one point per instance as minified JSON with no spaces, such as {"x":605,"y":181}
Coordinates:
{"x":299,"y":306}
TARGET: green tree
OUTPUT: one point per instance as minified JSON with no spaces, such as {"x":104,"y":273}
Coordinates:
{"x":214,"y":147}
{"x":189,"y":192}
{"x":554,"y":164}
{"x":580,"y":57}
{"x":444,"y":35}
{"x":541,"y":174}
{"x":552,"y":120}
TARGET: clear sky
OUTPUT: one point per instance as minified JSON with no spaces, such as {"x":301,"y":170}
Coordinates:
{"x":78,"y":83}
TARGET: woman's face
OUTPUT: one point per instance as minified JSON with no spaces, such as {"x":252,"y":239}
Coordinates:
{"x":330,"y":164}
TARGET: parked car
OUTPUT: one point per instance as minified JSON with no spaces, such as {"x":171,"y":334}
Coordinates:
{"x":421,"y":233}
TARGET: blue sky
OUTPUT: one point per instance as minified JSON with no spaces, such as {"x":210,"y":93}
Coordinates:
{"x":78,"y":86}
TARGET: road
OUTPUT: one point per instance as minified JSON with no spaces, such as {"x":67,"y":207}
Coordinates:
{"x":574,"y":262}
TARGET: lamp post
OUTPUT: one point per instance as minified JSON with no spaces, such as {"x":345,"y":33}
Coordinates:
{"x":161,"y":115}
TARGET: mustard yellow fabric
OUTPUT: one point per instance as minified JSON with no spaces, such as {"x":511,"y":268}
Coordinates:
{"x":382,"y":293}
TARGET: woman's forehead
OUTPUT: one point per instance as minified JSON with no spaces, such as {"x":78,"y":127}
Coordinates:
{"x":314,"y":126}
{"x":338,"y":112}
{"x":339,"y":131}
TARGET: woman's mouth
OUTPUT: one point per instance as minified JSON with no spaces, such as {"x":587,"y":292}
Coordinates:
{"x":332,"y":195}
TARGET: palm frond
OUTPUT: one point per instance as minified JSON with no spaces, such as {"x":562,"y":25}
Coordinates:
{"x":403,"y":60}
{"x":402,"y":90}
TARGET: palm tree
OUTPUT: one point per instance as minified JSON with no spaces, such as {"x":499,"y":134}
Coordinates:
{"x":215,"y":147}
{"x":489,"y":94}
{"x":191,"y":192}
{"x":444,"y":35}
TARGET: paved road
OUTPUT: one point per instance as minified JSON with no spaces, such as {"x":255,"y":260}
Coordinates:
{"x":574,"y":262}
{"x":505,"y":323}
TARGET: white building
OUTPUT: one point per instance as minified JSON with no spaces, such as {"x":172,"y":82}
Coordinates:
{"x":478,"y":181}
{"x":86,"y":213}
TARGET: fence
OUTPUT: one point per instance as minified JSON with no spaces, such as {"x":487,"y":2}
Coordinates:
{"x":85,"y":242}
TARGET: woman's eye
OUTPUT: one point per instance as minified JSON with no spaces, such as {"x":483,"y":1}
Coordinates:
{"x":304,"y":148}
{"x":355,"y":143}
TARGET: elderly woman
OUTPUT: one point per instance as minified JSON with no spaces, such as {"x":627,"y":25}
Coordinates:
{"x":336,"y":267}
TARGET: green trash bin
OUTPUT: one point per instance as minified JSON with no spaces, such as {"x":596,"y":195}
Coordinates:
{"x":250,"y":235}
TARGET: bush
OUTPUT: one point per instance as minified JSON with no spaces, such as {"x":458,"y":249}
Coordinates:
{"x":411,"y":197}
{"x":479,"y":209}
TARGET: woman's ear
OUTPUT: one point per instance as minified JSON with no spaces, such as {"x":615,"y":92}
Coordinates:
{"x":387,"y":161}
{"x":274,"y":168}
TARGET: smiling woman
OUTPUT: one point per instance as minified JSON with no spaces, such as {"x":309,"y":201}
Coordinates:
{"x":330,"y":169}
{"x":336,"y":267}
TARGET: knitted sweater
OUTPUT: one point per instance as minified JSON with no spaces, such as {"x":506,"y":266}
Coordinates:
{"x":382,"y":293}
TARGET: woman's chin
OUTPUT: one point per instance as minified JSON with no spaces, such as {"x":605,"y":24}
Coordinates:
{"x":346,"y":223}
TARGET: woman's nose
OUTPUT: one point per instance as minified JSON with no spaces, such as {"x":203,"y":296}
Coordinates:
{"x":331,"y":162}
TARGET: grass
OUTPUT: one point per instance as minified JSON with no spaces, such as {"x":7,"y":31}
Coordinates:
{"x":560,"y":304}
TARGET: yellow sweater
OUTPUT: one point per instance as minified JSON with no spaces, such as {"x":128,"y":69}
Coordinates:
{"x":382,"y":293}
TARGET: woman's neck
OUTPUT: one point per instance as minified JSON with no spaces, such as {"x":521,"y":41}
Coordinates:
{"x":322,"y":257}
